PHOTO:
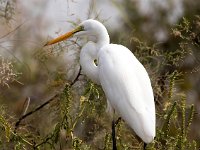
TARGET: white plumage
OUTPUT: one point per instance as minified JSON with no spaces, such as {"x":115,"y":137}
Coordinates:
{"x":123,"y":78}
{"x":128,"y":89}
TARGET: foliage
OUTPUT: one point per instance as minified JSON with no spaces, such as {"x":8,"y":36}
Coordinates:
{"x":7,"y":73}
{"x":6,"y":10}
{"x":174,"y":118}
{"x":73,"y":115}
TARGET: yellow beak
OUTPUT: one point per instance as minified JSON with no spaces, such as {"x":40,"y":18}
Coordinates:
{"x":64,"y":36}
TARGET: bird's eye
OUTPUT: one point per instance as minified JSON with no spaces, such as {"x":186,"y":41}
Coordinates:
{"x":81,"y":28}
{"x":95,"y":62}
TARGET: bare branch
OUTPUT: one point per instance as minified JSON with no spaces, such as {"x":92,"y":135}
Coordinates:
{"x":45,"y":103}
{"x":19,"y":26}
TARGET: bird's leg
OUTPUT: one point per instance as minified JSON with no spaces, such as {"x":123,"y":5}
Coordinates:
{"x":113,"y":135}
{"x":113,"y":130}
{"x":145,"y":145}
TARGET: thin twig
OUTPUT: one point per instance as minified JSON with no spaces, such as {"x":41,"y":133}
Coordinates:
{"x":12,"y":30}
{"x":117,"y":121}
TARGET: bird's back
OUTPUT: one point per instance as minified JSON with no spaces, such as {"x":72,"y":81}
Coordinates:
{"x":128,"y":89}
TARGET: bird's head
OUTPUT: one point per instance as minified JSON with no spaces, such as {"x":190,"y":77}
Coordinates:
{"x":86,"y":28}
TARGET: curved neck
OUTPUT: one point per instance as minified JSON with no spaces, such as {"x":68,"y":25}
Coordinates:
{"x":89,"y":53}
{"x":101,"y":37}
{"x":87,"y":57}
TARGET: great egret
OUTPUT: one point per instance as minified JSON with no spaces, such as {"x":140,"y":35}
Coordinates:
{"x":123,"y":78}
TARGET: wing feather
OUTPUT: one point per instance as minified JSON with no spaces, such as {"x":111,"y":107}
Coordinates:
{"x":127,"y":87}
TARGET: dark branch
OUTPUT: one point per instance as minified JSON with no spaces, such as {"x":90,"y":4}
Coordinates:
{"x":33,"y":111}
{"x":45,"y":103}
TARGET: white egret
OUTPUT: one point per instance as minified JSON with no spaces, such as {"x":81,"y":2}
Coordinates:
{"x":123,"y":78}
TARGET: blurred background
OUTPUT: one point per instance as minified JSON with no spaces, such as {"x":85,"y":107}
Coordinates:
{"x":163,"y":34}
